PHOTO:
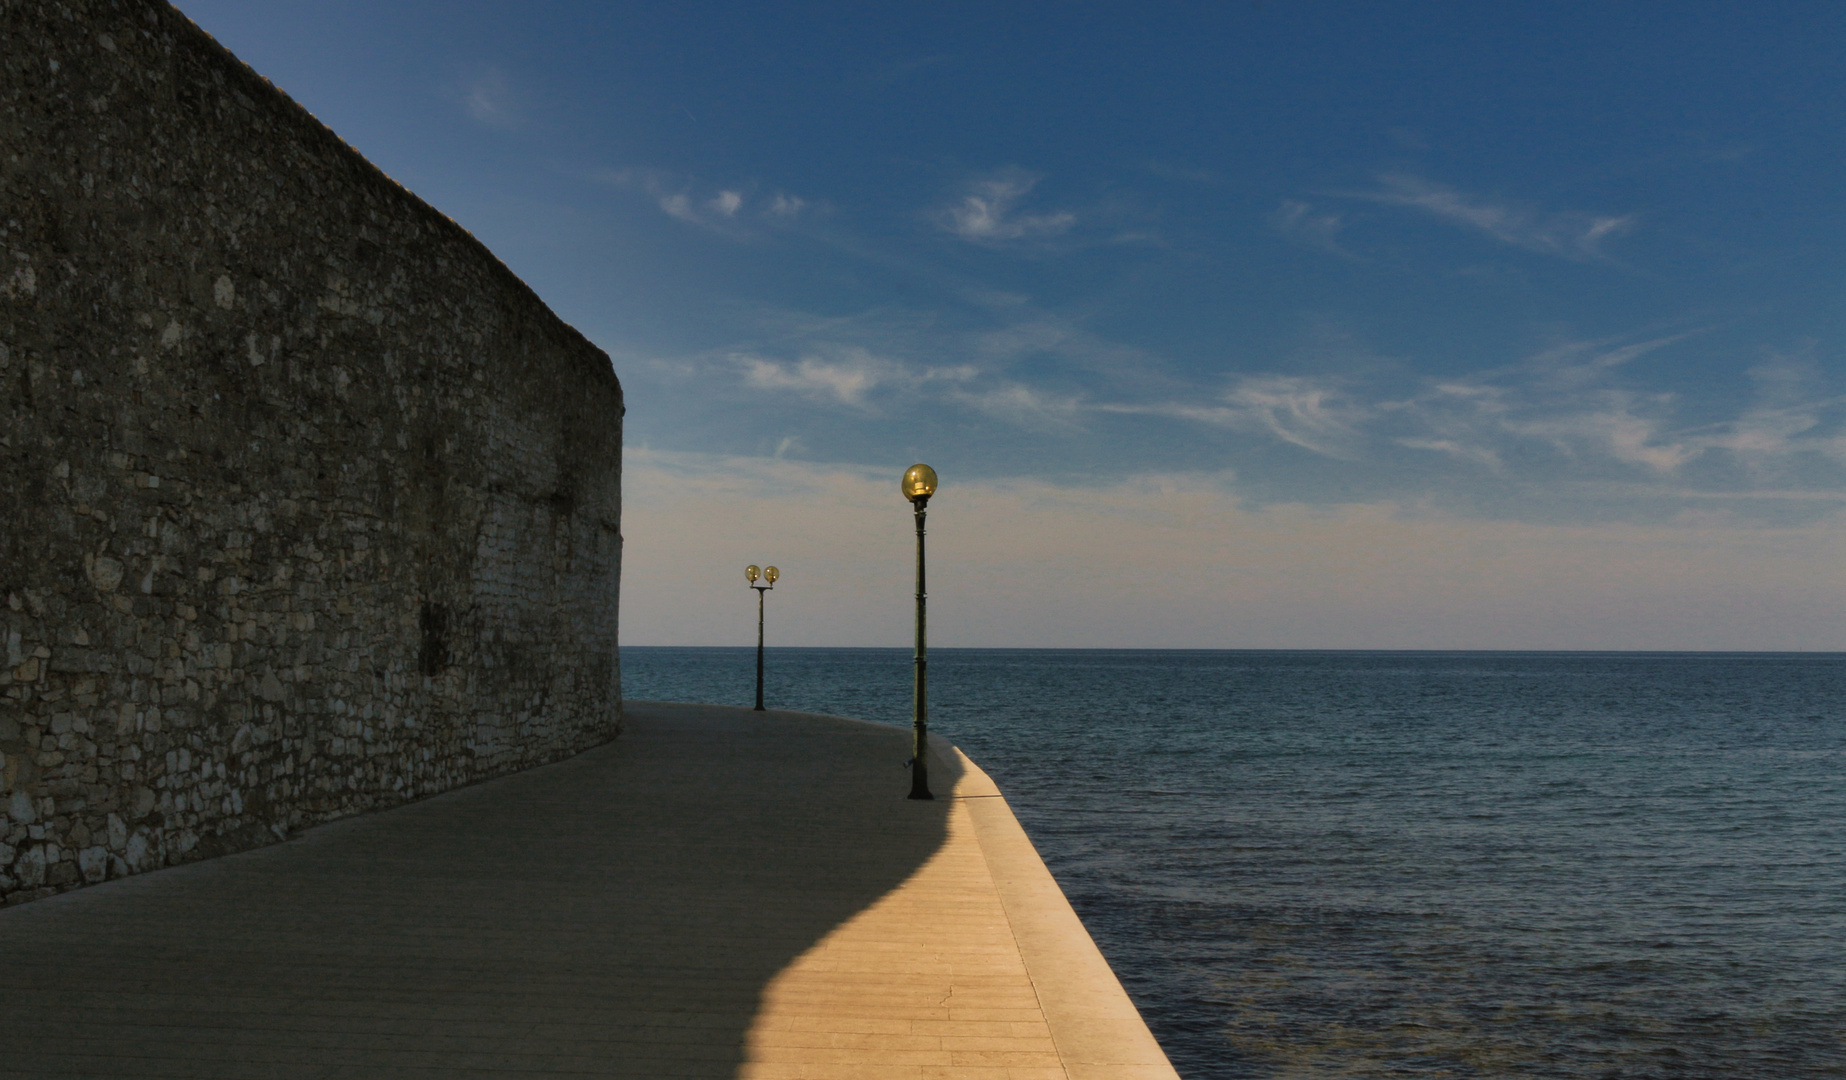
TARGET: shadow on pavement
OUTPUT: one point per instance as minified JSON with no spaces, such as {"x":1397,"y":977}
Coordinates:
{"x":617,"y":914}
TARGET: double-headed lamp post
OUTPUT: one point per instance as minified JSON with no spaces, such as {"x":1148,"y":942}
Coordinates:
{"x":918,"y":485}
{"x":769,"y":575}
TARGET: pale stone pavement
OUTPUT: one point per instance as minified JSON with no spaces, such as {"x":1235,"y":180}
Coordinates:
{"x":718,"y":893}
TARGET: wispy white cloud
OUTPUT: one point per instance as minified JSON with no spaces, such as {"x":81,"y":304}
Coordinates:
{"x":1313,"y":414}
{"x":679,"y":205}
{"x":1624,"y":426}
{"x":1568,"y":400}
{"x":1787,"y":420}
{"x":985,"y":212}
{"x":1773,"y":431}
{"x":1023,"y":406}
{"x":846,"y":382}
{"x":1564,"y":411}
{"x":1011,"y":333}
{"x":722,"y":210}
{"x":490,"y":100}
{"x":1302,"y":223}
{"x":1478,"y":455}
{"x":1567,"y":234}
{"x":850,"y":376}
{"x":1560,"y":398}
{"x":1028,"y":335}
{"x":1575,"y":412}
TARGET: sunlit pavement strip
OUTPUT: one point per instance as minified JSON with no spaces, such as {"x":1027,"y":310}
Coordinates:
{"x":935,"y":980}
{"x":718,"y":893}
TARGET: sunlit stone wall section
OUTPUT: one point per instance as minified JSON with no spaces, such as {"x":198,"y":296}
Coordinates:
{"x":308,"y":506}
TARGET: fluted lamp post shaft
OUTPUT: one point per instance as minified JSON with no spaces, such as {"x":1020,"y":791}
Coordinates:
{"x":918,"y":485}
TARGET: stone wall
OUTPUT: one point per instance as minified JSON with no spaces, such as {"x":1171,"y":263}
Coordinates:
{"x":308,"y":506}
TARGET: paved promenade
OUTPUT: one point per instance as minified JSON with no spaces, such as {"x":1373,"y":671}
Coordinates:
{"x":718,"y":893}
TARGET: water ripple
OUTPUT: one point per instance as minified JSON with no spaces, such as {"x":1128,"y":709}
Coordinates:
{"x":1428,"y":864}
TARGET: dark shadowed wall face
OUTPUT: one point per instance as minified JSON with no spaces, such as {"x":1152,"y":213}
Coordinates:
{"x":310,"y":506}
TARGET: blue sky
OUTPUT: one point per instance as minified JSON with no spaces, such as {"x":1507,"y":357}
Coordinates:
{"x":1545,"y":285}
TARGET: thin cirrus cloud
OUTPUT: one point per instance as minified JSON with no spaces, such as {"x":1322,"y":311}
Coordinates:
{"x":1566,"y":234}
{"x":489,"y":99}
{"x":722,"y":210}
{"x":1017,"y":334}
{"x":1575,"y":410}
{"x":987,"y":211}
{"x":849,"y":376}
{"x":1562,"y":400}
{"x":1303,"y":223}
{"x":860,"y":364}
{"x":1316,"y":415}
{"x":786,"y":206}
{"x":1562,"y":412}
{"x":1575,"y":413}
{"x":1571,"y":414}
{"x":1624,"y":426}
{"x":1022,"y":406}
{"x":1787,"y":420}
{"x":862,"y":381}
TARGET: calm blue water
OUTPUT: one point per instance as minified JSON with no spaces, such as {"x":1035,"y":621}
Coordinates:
{"x":1411,"y":864}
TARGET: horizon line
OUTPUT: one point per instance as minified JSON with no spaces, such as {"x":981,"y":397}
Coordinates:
{"x":1279,"y":649}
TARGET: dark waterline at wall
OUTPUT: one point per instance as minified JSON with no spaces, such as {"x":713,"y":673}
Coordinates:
{"x":1412,"y":863}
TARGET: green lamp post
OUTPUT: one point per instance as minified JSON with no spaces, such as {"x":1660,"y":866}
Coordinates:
{"x":769,"y":575}
{"x":918,"y":485}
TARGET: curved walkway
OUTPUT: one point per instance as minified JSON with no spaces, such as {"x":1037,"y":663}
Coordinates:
{"x":718,"y":893}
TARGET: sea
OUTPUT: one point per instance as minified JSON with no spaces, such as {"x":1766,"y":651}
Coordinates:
{"x":1409,"y":864}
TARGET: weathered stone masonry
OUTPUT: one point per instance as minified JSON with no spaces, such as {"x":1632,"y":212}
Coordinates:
{"x":307,"y":505}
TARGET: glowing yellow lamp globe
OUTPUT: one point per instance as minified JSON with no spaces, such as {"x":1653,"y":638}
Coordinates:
{"x":919,"y":482}
{"x":770,"y":574}
{"x":751,"y":572}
